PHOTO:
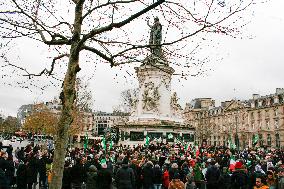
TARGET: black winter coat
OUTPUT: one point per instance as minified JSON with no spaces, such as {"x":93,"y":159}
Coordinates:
{"x":157,"y":176}
{"x":3,"y":180}
{"x":125,"y":178}
{"x":92,"y":180}
{"x":78,"y":174}
{"x":21,"y":178}
{"x":32,"y":170}
{"x":104,"y":179}
{"x":239,"y":180}
{"x":147,"y":175}
{"x":213,"y":175}
{"x":10,"y":170}
{"x":66,"y":180}
{"x":42,"y":165}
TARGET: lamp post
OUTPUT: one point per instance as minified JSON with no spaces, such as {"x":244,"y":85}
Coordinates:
{"x":236,"y":136}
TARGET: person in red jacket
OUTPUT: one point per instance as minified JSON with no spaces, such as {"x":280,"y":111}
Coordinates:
{"x":166,"y":178}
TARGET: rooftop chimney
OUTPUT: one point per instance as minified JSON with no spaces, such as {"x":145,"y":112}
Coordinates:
{"x":255,"y":96}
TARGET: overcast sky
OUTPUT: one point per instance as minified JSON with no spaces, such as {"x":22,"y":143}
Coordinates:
{"x":249,"y":66}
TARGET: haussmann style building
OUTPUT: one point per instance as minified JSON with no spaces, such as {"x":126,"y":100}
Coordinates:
{"x":260,"y":119}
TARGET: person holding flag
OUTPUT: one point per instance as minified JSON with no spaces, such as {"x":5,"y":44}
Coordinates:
{"x":110,"y":145}
{"x":147,"y":141}
{"x":255,"y":139}
{"x":103,"y":143}
{"x":86,"y":141}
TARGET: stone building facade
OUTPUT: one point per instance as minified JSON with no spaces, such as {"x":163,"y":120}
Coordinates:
{"x":238,"y":121}
{"x":104,"y":120}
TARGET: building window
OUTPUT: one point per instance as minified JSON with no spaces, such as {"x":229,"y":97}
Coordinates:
{"x":277,"y":140}
{"x":267,"y":124}
{"x":266,"y":113}
{"x":276,"y":124}
{"x":251,"y":115}
{"x":268,"y":140}
{"x":276,"y":112}
{"x":252,"y":126}
{"x":260,"y":140}
{"x":271,"y":101}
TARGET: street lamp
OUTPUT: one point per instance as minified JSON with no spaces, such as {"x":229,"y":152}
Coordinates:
{"x":236,"y":136}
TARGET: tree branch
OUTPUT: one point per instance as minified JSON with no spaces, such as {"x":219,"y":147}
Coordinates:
{"x":30,"y":75}
{"x":53,"y":41}
{"x":122,"y":23}
{"x":99,"y":53}
{"x":106,"y":4}
{"x":232,"y":13}
{"x":46,"y":71}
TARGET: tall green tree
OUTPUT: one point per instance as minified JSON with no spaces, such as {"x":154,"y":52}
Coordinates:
{"x":107,"y":29}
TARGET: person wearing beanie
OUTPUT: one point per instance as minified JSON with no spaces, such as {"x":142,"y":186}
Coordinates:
{"x":92,"y":177}
{"x":173,"y":170}
{"x":125,"y":177}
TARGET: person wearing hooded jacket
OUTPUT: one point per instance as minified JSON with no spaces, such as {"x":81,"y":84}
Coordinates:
{"x":157,"y":177}
{"x":125,"y":178}
{"x":104,"y":177}
{"x":148,"y":175}
{"x":92,"y":177}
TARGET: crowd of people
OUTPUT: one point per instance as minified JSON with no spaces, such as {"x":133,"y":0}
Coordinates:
{"x":152,"y":166}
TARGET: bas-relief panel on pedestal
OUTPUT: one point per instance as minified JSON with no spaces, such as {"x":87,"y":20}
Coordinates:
{"x":150,"y":98}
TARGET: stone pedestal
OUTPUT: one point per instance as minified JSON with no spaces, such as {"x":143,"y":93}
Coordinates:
{"x":155,"y":111}
{"x":153,"y":102}
{"x":133,"y":134}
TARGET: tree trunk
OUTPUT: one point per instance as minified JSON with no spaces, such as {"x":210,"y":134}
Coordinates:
{"x":67,"y":96}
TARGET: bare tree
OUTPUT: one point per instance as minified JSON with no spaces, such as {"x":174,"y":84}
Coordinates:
{"x":84,"y":100}
{"x":128,"y":100}
{"x":105,"y":30}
